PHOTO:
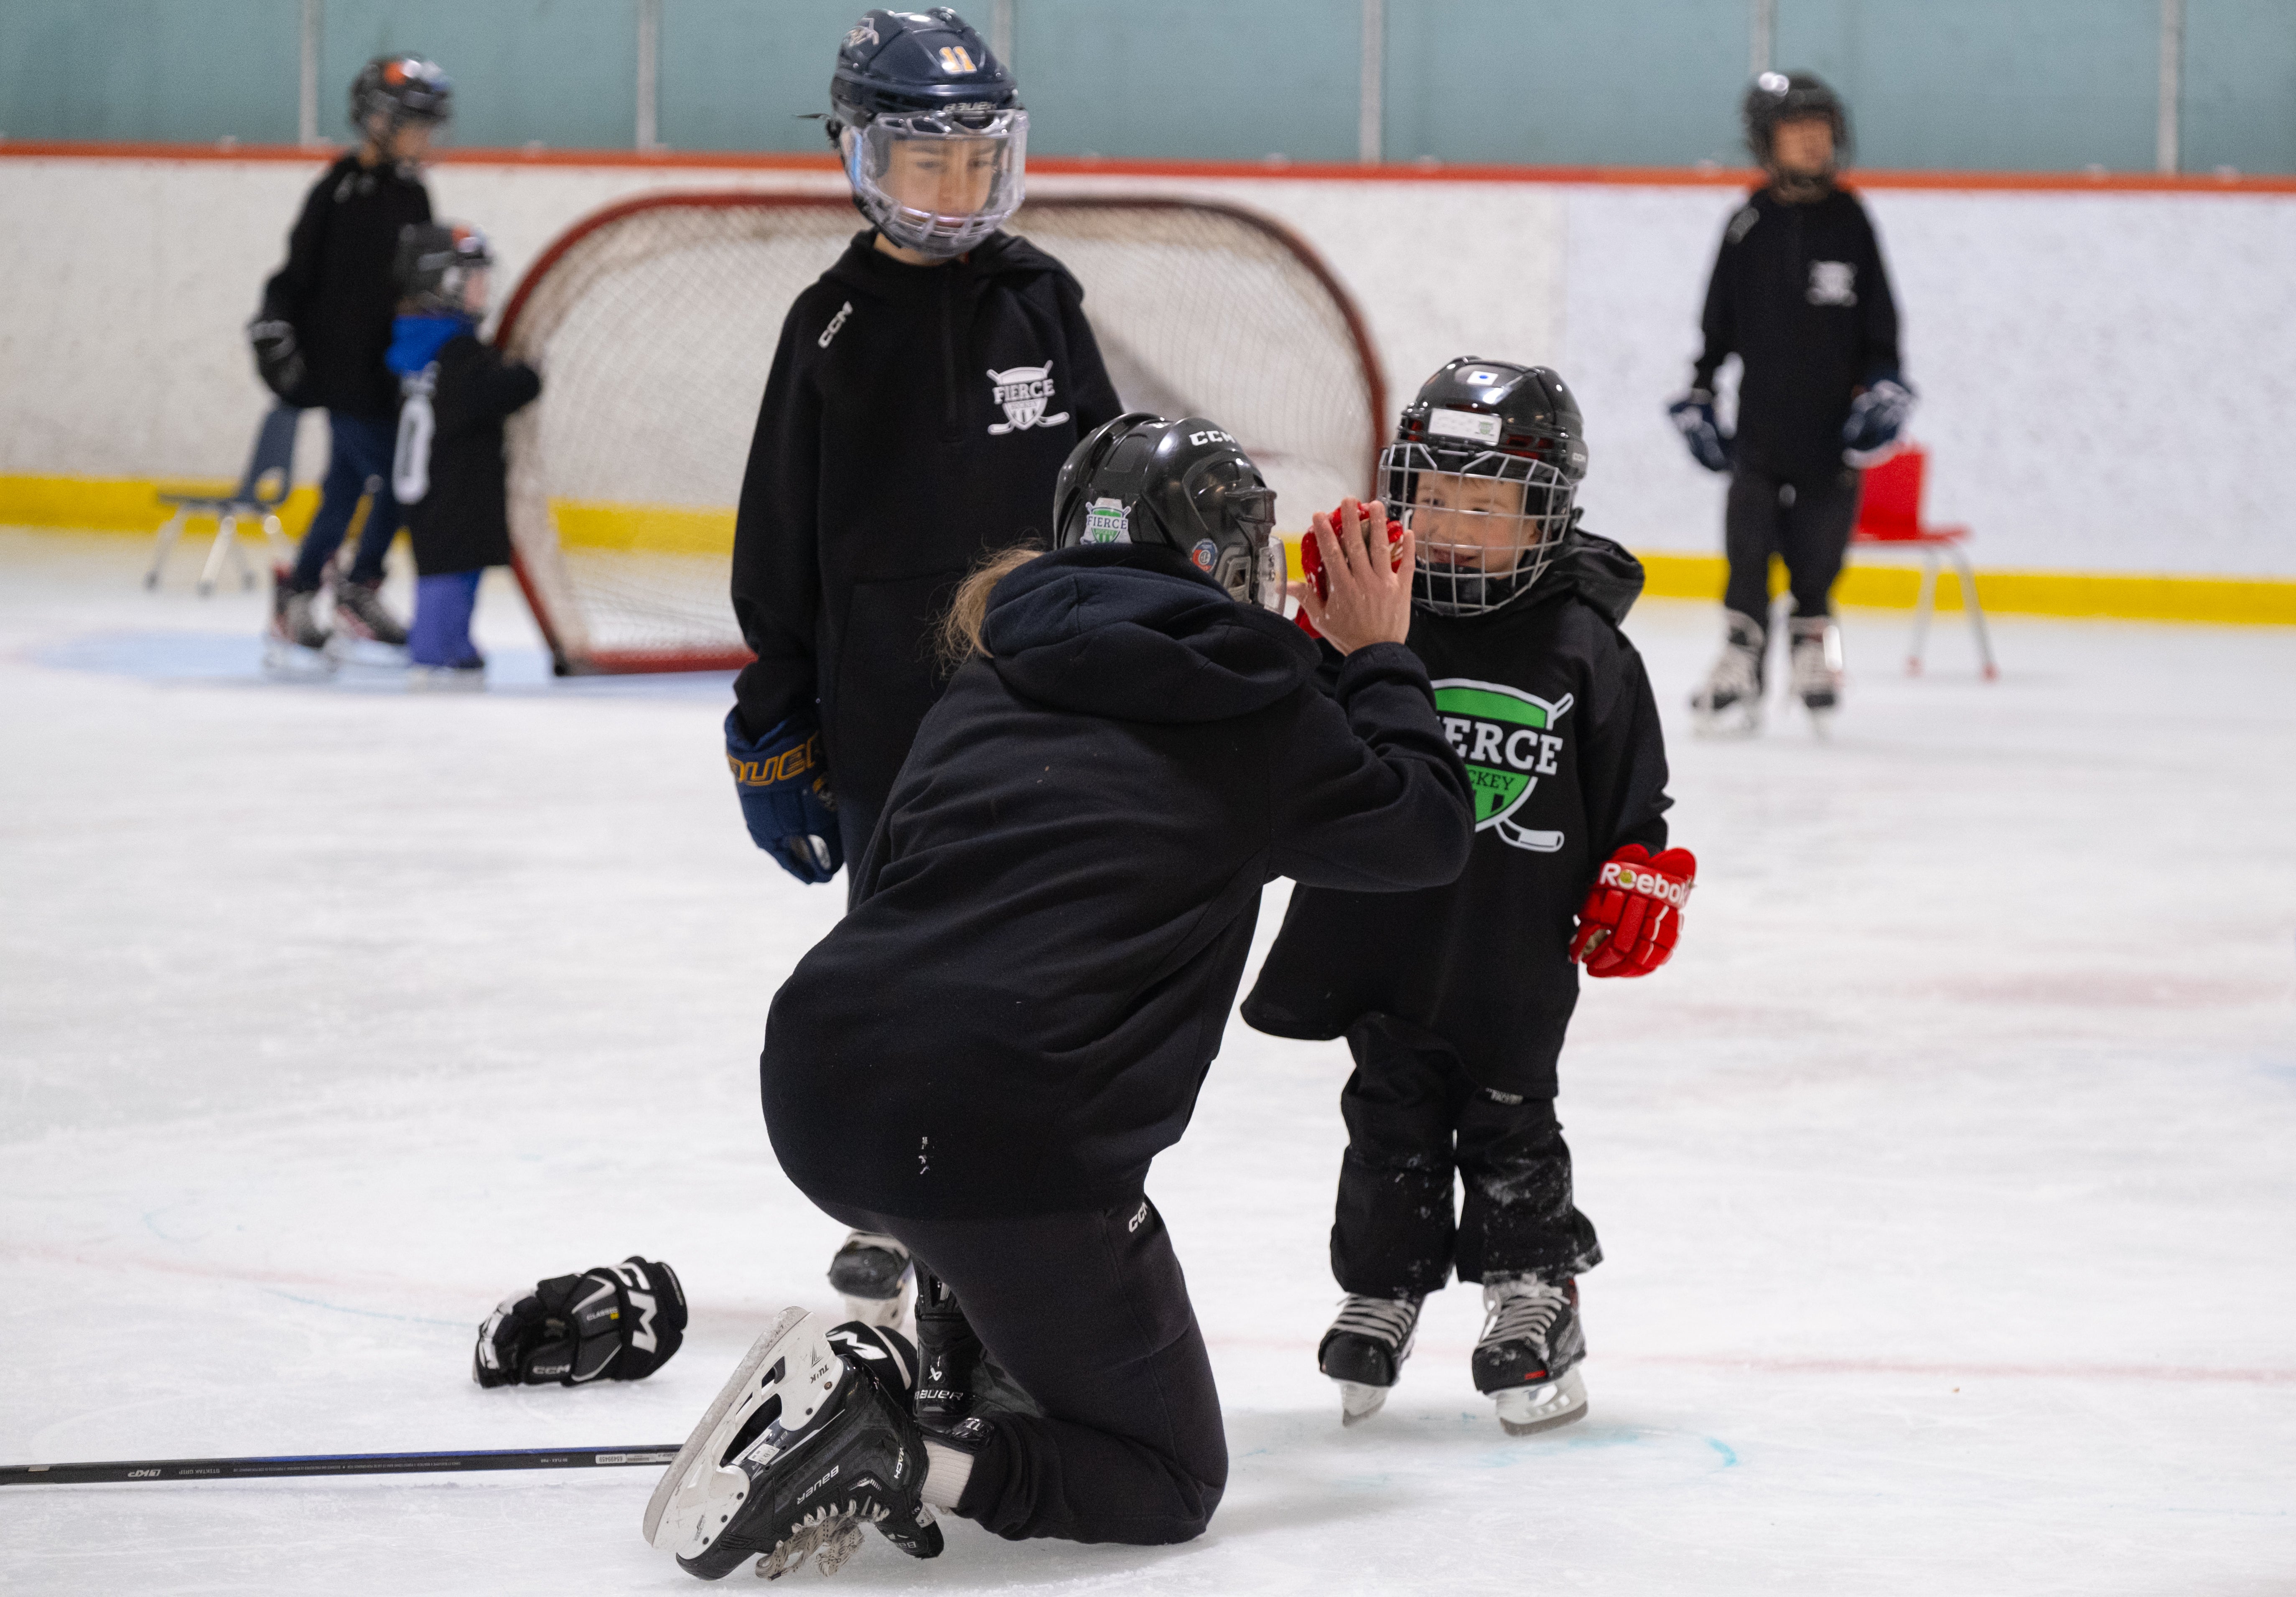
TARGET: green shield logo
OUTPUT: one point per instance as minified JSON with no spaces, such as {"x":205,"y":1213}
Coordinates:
{"x":1508,"y":740}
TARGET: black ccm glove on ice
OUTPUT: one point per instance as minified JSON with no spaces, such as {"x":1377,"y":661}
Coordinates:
{"x":616,"y":1323}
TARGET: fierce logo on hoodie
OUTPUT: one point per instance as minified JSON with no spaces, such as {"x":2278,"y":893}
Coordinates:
{"x":1023,"y":392}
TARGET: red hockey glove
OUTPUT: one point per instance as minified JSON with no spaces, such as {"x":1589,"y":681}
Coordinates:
{"x":1311,"y":562}
{"x":1630,"y":920}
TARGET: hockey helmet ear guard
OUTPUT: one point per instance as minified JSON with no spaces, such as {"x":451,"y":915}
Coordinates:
{"x":1185,"y":484}
{"x":437,"y":265}
{"x":391,"y":91}
{"x":1484,"y":470}
{"x":929,"y":128}
{"x":1776,"y":97}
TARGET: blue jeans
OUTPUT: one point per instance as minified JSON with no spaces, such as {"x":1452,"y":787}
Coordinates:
{"x":441,"y":633}
{"x":358,"y":463}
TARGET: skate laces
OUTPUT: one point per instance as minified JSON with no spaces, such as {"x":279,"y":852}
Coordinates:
{"x":829,"y":1534}
{"x":1389,"y":1320}
{"x":1524,"y":1311}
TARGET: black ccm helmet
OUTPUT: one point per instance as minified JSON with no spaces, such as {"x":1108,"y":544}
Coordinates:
{"x":1776,"y":97}
{"x":435,"y":264}
{"x":1475,"y":425}
{"x":391,"y":91}
{"x":1185,"y":484}
{"x":905,"y":76}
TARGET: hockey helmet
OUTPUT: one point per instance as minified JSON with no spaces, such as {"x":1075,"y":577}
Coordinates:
{"x":391,"y":91}
{"x":1776,"y":97}
{"x":1485,"y":466}
{"x":930,"y":126}
{"x":1184,"y":484}
{"x":436,"y":263}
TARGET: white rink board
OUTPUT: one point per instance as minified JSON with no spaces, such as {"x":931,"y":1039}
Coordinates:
{"x":2105,"y":377}
{"x":1944,"y":1176}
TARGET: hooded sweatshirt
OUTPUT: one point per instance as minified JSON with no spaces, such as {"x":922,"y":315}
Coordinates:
{"x":916,"y":418}
{"x":1052,"y":916}
{"x":337,"y":287}
{"x":462,"y":522}
{"x":1549,"y":706}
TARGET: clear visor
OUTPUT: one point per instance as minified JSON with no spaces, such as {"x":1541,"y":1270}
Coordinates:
{"x":940,"y":183}
{"x":1485,"y":525}
{"x":1232,"y":496}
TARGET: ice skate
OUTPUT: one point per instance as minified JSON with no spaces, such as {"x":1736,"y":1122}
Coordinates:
{"x":1530,"y":1354}
{"x":803,"y":1445}
{"x":295,"y":645}
{"x":1364,"y":1349}
{"x":365,"y":633}
{"x":1729,"y":703}
{"x":870,"y":1271}
{"x":956,"y":1378}
{"x":1816,"y":660}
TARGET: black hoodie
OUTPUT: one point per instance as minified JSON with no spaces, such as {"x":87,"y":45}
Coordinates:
{"x":338,"y":289}
{"x":889,"y":455}
{"x":1052,"y":916}
{"x":1549,"y":704}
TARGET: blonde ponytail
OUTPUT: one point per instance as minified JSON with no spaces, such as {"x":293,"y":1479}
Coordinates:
{"x":968,"y":612}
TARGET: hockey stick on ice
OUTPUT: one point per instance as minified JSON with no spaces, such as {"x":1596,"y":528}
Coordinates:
{"x":335,"y":1463}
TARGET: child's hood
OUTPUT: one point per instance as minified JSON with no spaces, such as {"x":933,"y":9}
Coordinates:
{"x":1600,"y":573}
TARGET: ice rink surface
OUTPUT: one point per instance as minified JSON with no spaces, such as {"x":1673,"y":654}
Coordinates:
{"x":1948,"y":1177}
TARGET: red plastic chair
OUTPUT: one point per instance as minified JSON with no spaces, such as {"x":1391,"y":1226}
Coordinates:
{"x":1890,"y":517}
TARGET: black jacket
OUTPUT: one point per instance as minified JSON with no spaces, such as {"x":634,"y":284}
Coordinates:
{"x":1550,"y":706}
{"x":337,"y":287}
{"x":462,"y":524}
{"x":1052,"y":916}
{"x":1801,"y":296}
{"x":885,"y":463}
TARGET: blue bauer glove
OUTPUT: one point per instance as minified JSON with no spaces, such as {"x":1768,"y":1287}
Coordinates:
{"x":1876,"y":417}
{"x":785,"y":798}
{"x":1693,"y":416}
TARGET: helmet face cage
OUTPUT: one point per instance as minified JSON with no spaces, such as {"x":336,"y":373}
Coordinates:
{"x":955,"y":134}
{"x":1234,"y":511}
{"x":1457,"y":574}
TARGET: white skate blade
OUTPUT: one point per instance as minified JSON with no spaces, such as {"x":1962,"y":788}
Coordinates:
{"x":878,"y":1311}
{"x":1743,"y":719}
{"x":445,"y":679}
{"x":1359,"y":1402}
{"x":291,"y":662}
{"x":792,"y":1367}
{"x":365,"y":652}
{"x":1527,"y":1410}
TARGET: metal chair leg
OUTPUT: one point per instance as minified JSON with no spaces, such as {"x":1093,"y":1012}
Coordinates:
{"x":283,"y":552}
{"x":226,"y":533}
{"x":168,"y":534}
{"x":1976,"y":613}
{"x":1922,"y":609}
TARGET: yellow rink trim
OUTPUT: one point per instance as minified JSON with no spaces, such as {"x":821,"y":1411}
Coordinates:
{"x":1881,"y":581}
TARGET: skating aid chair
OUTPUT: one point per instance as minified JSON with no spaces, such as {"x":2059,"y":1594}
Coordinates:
{"x":1890,"y":517}
{"x":270,"y":472}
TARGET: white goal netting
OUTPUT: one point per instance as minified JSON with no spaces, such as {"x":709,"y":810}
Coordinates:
{"x":655,"y":322}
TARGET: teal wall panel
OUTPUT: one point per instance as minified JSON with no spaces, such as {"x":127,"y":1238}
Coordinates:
{"x":156,"y":69}
{"x":1185,"y":79}
{"x":1981,"y":84}
{"x":742,"y":74}
{"x":2240,"y":85}
{"x":1565,"y":82}
{"x":561,"y":72}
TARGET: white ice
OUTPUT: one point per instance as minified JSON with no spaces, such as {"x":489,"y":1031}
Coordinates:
{"x":1946,"y":1176}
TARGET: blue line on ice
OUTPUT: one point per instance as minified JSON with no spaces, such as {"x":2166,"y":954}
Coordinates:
{"x":365,"y":1314}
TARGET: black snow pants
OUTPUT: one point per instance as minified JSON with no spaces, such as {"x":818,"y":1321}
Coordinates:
{"x":1414,"y":1118}
{"x":1088,"y":1313}
{"x":1804,"y":520}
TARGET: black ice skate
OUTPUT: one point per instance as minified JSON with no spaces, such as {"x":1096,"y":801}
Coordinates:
{"x":366,"y":633}
{"x":956,"y":1378}
{"x":1729,"y":704}
{"x":295,"y":645}
{"x":1530,"y":1354}
{"x":870,"y":1271}
{"x":805,"y":1444}
{"x":1816,"y":655}
{"x":1364,"y":1349}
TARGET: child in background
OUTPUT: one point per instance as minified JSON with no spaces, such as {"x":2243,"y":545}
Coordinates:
{"x":448,"y":471}
{"x":1454,"y":999}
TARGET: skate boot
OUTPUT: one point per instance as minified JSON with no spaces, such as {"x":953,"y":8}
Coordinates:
{"x":870,"y":1272}
{"x":365,"y":633}
{"x":1817,"y":659}
{"x":1730,"y":702}
{"x":295,"y":645}
{"x":956,"y":1378}
{"x":1364,"y":1349}
{"x":810,"y":1439}
{"x":1530,"y":1354}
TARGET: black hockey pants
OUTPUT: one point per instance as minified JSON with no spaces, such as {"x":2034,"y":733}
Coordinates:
{"x":1089,"y":1314}
{"x":1805,"y":521}
{"x":1414,"y":1118}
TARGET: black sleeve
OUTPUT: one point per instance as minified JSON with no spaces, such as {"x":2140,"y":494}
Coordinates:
{"x":1096,"y":400}
{"x":489,"y":388}
{"x":1719,"y":321}
{"x":776,"y":546}
{"x":1622,"y":762}
{"x":1880,"y":306}
{"x":289,"y":289}
{"x":1367,"y":793}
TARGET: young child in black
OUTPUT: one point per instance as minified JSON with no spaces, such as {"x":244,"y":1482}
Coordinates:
{"x":1454,"y":999}
{"x":447,"y":470}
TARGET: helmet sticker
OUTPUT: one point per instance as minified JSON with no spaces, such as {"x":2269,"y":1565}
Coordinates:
{"x":1479,"y":377}
{"x":1107,"y":521}
{"x":1462,"y":424}
{"x":1206,"y":553}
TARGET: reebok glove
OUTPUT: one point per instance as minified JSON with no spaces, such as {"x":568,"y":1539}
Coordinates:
{"x":1632,"y":916}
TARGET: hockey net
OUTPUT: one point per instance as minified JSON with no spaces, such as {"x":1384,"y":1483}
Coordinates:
{"x":654,"y":323}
